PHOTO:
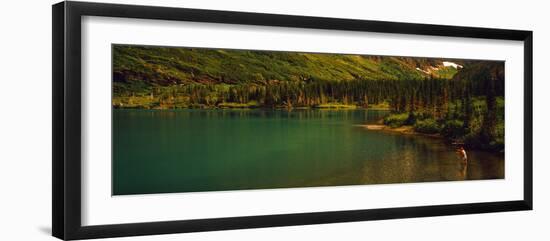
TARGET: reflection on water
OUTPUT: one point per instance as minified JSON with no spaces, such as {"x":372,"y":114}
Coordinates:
{"x":211,"y":150}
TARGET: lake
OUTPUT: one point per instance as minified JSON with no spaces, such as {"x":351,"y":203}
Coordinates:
{"x":164,"y":151}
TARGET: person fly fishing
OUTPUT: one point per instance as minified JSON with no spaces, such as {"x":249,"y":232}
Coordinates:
{"x":462,"y":154}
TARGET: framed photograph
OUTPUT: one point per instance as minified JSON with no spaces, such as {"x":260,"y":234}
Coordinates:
{"x":169,"y":120}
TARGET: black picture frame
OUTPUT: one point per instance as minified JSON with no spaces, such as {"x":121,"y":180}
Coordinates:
{"x":66,"y":168}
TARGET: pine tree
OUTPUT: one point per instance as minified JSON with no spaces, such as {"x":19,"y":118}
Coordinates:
{"x":490,"y":118}
{"x":468,"y":111}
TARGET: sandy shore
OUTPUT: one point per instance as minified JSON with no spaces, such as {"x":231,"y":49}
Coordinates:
{"x":402,"y":129}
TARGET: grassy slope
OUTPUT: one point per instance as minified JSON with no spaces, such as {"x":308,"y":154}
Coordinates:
{"x":168,"y":66}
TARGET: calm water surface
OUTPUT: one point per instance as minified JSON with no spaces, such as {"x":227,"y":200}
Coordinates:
{"x":160,"y":151}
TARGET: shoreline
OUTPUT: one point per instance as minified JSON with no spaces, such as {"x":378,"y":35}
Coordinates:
{"x":252,"y":108}
{"x":406,"y":130}
{"x":409,"y":130}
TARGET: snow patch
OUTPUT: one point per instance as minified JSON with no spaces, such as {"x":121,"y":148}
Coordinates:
{"x":431,"y":69}
{"x":451,"y":64}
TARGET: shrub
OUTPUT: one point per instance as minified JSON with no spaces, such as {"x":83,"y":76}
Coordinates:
{"x":427,"y":126}
{"x":476,"y":141}
{"x":422,"y":115}
{"x":453,"y":129}
{"x":411,"y":119}
{"x":497,"y":145}
{"x":396,"y":120}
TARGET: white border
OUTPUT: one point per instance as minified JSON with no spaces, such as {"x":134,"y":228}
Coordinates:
{"x":100,"y":208}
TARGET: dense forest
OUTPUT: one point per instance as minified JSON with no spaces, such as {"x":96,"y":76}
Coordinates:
{"x":462,"y":100}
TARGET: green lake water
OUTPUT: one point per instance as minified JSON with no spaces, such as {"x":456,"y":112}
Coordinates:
{"x":163,"y":151}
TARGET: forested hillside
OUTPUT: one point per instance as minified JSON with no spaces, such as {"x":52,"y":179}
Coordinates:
{"x":184,"y":77}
